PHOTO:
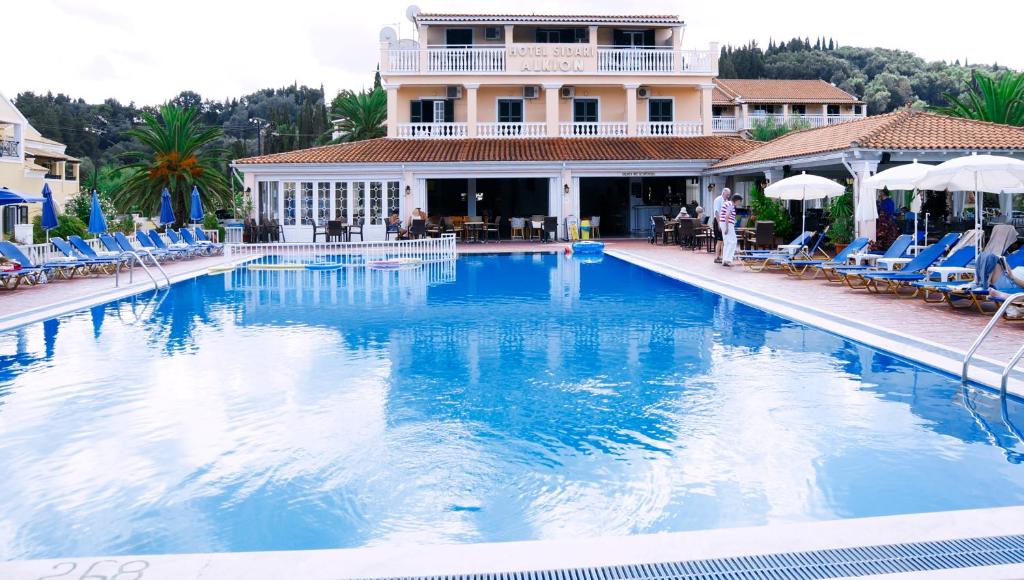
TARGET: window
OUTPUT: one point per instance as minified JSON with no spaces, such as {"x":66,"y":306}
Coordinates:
{"x":833,"y":109}
{"x":266,"y":203}
{"x":289,"y":203}
{"x":659,"y":110}
{"x":562,"y":35}
{"x":341,"y":200}
{"x":858,"y":109}
{"x":798,"y":109}
{"x":392,"y":206}
{"x":307,"y":203}
{"x":323,"y":202}
{"x":376,"y":203}
{"x":637,"y":38}
{"x":510,"y":110}
{"x":458,"y":37}
{"x":764,"y":109}
{"x":358,"y":207}
{"x":584,"y":111}
{"x":69,"y":171}
{"x":719,"y":111}
{"x":431,"y":111}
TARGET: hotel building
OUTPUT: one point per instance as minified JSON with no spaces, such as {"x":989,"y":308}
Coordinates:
{"x":27,"y":161}
{"x":518,"y":115}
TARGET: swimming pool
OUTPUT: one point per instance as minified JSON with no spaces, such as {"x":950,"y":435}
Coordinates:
{"x":495,"y":398}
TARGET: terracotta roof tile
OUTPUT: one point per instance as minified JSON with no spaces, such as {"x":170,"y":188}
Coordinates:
{"x":722,"y":95}
{"x":905,"y":129}
{"x":553,"y":149}
{"x":786,"y":91}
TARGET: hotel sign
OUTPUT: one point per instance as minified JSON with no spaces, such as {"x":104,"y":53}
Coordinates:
{"x":552,"y":58}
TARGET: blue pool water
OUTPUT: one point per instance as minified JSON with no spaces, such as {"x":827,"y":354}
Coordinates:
{"x":499,"y":398}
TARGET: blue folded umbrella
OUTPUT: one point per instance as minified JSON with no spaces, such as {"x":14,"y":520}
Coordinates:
{"x":166,"y":211}
{"x":97,"y":223}
{"x":49,"y":218}
{"x":196,"y":211}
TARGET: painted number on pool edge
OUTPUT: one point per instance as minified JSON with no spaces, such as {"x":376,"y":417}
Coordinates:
{"x":114,"y":570}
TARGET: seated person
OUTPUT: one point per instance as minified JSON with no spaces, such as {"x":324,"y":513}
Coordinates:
{"x":394,"y":226}
{"x":683,"y":214}
{"x":418,"y":214}
{"x":699,"y":213}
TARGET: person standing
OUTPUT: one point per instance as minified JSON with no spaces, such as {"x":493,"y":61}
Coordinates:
{"x":716,"y":208}
{"x":727,"y":223}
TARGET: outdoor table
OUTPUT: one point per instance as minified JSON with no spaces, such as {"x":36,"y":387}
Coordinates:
{"x":891,"y":263}
{"x":473,"y":229}
{"x":790,"y":247}
{"x":859,"y":259}
{"x":947,"y":272}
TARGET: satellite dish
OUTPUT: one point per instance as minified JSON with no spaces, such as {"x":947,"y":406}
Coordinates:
{"x":408,"y":44}
{"x":412,"y":12}
{"x":388,"y":35}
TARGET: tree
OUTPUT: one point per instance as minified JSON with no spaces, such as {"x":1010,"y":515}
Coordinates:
{"x":180,"y":156}
{"x":994,"y":99}
{"x":361,"y":115}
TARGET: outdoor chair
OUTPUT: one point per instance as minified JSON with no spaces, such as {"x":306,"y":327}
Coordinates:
{"x":536,"y":226}
{"x":83,"y":251}
{"x":660,"y":230}
{"x":518,"y":228}
{"x":764,"y":234}
{"x":206,"y":248}
{"x":916,"y":270}
{"x":418,"y":229}
{"x":154,"y":239}
{"x":335,"y":231}
{"x":839,"y":273}
{"x":854,"y":276}
{"x":550,"y":229}
{"x":177,"y":242}
{"x":30,"y":272}
{"x":356,"y":228}
{"x":595,"y":226}
{"x":494,"y":228}
{"x":201,"y":238}
{"x":686,"y":233}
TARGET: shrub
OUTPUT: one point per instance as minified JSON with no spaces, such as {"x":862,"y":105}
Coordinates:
{"x":67,"y":225}
{"x":840,"y":212}
{"x":125,"y":225}
{"x":768,"y":128}
{"x":773,"y":210}
{"x":210,"y":222}
{"x":80,"y":205}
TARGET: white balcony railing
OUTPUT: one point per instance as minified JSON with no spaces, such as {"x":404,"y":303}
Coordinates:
{"x":670,"y":129}
{"x":617,"y":59}
{"x":466,"y":59}
{"x":8,"y":148}
{"x":724,"y":124}
{"x":494,"y":59}
{"x":809,"y":121}
{"x":511,"y":130}
{"x":432,"y":131}
{"x":612,"y":129}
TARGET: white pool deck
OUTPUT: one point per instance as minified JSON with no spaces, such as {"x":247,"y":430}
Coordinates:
{"x":932,"y":334}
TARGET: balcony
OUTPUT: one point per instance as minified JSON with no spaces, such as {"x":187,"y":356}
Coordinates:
{"x":724,"y":124}
{"x":432,"y":131}
{"x":511,"y":130}
{"x":809,"y":121}
{"x":670,"y":129}
{"x":606,"y":129}
{"x":547,"y":59}
{"x":9,"y":148}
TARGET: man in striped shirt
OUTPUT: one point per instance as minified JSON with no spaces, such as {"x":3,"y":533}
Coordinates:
{"x":727,"y":222}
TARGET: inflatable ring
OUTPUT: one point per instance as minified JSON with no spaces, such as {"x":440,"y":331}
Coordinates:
{"x":324,"y":266}
{"x":588,"y":247}
{"x":276,"y":266}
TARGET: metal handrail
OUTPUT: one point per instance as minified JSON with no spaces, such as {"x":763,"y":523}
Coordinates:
{"x":1005,"y":378}
{"x":984,"y":334}
{"x":117,"y":271}
{"x":157,"y":264}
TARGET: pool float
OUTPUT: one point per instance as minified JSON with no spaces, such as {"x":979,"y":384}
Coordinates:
{"x":289,"y":266}
{"x":394,"y":264}
{"x":588,"y":247}
{"x":325,"y":266}
{"x":221,"y":268}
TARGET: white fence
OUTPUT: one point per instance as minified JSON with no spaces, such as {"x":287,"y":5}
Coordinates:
{"x":427,"y":250}
{"x":724,"y":124}
{"x":699,"y":61}
{"x":511,"y":130}
{"x":403,"y":60}
{"x":611,"y":59}
{"x":432,"y":130}
{"x":592,"y":129}
{"x":457,"y":60}
{"x":670,"y":129}
{"x":40,"y":253}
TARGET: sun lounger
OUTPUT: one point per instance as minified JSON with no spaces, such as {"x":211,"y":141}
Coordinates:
{"x":916,"y":270}
{"x":146,"y":246}
{"x":191,"y":238}
{"x":757,"y":261}
{"x":178,"y":242}
{"x":87,"y":251}
{"x":202,"y":239}
{"x":799,"y":266}
{"x":29,"y":272}
{"x":850,"y":274}
{"x":187,"y":238}
{"x":87,"y":264}
{"x":798,"y":242}
{"x":153,"y":239}
{"x":977,"y":293}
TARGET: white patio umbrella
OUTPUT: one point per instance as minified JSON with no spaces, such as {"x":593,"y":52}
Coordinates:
{"x":902,"y":178}
{"x":978,"y":173}
{"x":802,"y":188}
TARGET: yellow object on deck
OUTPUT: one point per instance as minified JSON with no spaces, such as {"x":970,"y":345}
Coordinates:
{"x":221,"y":268}
{"x":277,"y":266}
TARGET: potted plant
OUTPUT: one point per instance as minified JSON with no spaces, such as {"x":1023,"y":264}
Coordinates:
{"x":840,"y":212}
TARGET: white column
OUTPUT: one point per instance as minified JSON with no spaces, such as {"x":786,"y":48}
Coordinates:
{"x":677,"y":46}
{"x":392,"y":109}
{"x":715,"y":53}
{"x":785,"y":111}
{"x":419,"y":194}
{"x":551,"y":107}
{"x":824,"y":113}
{"x":422,"y":32}
{"x":508,"y":35}
{"x":471,"y":119}
{"x":741,"y":121}
{"x":555,"y":198}
{"x":631,"y":123}
{"x":705,"y":107}
{"x":471,"y":196}
{"x":862,"y":171}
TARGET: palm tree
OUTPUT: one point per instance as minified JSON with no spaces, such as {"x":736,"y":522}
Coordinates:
{"x":360,"y":115}
{"x":180,"y":156}
{"x":994,"y":99}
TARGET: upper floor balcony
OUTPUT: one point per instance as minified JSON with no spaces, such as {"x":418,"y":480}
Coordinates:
{"x":535,"y":130}
{"x":548,"y":59}
{"x":733,"y":124}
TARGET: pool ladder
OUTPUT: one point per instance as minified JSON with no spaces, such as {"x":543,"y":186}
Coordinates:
{"x":1005,"y":377}
{"x":138,"y":258}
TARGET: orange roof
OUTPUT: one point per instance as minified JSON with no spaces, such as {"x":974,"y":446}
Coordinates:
{"x":784,"y":91}
{"x":721,"y":95}
{"x":903,"y":129}
{"x":386,"y":150}
{"x":445,"y":17}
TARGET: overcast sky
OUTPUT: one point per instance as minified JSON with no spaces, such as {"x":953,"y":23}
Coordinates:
{"x":147,"y":52}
